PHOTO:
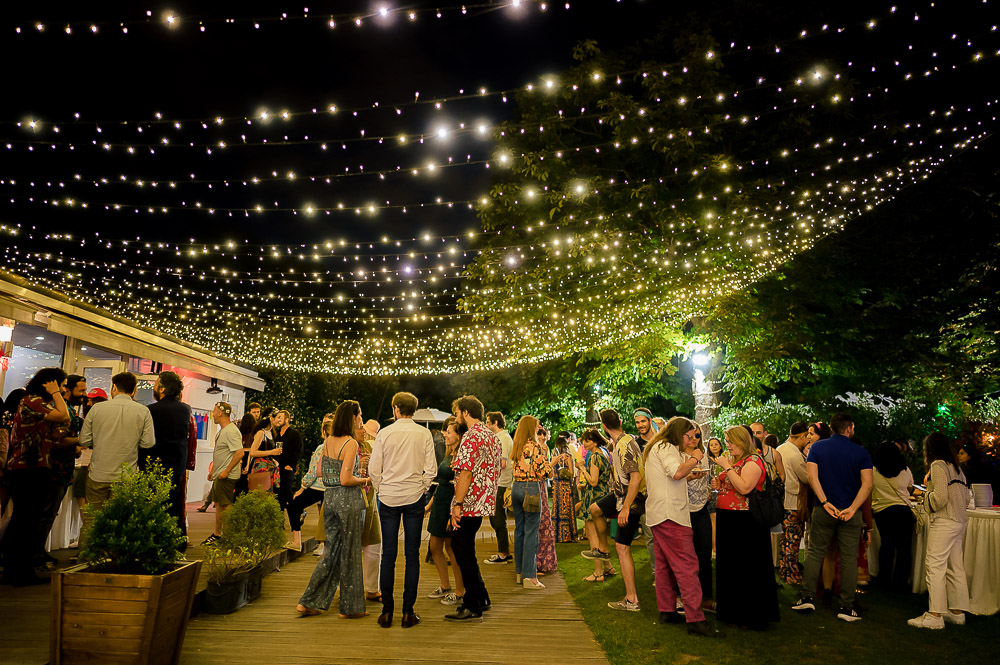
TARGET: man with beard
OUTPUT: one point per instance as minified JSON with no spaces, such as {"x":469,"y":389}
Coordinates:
{"x":171,"y":427}
{"x":477,"y":473}
{"x":644,"y":425}
{"x":63,"y":465}
{"x":290,"y":442}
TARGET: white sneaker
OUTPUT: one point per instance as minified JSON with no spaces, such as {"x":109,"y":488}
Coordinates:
{"x":957,"y":619}
{"x":532,"y":584}
{"x":927,"y":620}
{"x":320,"y":549}
{"x":450,"y":599}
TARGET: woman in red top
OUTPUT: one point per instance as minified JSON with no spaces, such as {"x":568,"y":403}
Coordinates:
{"x":29,"y":476}
{"x":747,"y":594}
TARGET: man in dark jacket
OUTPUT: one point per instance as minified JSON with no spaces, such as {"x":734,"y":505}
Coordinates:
{"x":171,"y":427}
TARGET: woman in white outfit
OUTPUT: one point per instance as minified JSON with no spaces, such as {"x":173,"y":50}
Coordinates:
{"x":947,"y":499}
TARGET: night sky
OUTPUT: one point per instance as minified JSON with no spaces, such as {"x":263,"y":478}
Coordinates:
{"x":342,"y":177}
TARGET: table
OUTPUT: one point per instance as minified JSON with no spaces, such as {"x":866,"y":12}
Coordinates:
{"x":981,"y":547}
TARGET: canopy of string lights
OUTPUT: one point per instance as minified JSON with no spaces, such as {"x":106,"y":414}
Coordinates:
{"x":517,"y":208}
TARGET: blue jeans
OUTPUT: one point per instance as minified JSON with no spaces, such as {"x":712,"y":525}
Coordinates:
{"x":525,"y":530}
{"x":413,"y":519}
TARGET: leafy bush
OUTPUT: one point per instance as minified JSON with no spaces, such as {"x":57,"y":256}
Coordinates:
{"x":132,"y":534}
{"x":253,"y":530}
{"x":776,"y":416}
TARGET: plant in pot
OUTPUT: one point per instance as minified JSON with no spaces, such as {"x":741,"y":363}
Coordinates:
{"x":131,"y":600}
{"x":253,"y":531}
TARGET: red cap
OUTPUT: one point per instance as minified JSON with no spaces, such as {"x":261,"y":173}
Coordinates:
{"x":97,"y":392}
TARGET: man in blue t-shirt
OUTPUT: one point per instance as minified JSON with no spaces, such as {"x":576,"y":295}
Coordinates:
{"x":840,"y":474}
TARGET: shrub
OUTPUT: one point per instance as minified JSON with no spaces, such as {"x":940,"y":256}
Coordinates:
{"x":776,"y":416}
{"x":253,"y":530}
{"x":132,"y":534}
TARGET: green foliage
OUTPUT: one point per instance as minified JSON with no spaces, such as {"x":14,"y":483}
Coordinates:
{"x":777,"y":417}
{"x":987,"y":411}
{"x":132,"y":533}
{"x":253,"y":530}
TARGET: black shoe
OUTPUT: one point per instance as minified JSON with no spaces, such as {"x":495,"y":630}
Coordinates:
{"x":410,"y":620}
{"x":385,"y":619}
{"x":804,"y":604}
{"x":487,"y":606}
{"x":211,"y":539}
{"x":464,"y":616}
{"x":848,"y":614}
{"x":703,"y":629}
{"x":671,"y":617}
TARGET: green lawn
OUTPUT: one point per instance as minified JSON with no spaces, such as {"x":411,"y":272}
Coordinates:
{"x":881,"y":638}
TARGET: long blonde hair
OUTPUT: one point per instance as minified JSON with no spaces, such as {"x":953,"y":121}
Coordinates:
{"x":527,"y":426}
{"x":738,"y":437}
{"x":673,"y":433}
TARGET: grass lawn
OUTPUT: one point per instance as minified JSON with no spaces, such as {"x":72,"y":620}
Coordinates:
{"x":882,"y":637}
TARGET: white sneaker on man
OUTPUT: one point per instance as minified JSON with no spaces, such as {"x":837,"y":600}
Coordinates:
{"x":927,"y":620}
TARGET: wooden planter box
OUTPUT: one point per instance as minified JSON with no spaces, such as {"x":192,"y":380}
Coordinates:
{"x":120,"y":619}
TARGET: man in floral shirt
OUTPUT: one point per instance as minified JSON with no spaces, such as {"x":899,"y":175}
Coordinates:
{"x":477,"y":473}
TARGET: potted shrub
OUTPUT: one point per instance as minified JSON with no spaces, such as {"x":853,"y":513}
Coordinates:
{"x":131,"y":601}
{"x":253,"y":531}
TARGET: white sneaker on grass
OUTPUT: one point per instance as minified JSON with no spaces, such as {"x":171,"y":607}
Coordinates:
{"x":927,"y":620}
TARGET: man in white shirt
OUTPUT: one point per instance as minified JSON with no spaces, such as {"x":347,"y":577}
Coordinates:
{"x":796,"y":477}
{"x":497,"y":424}
{"x":226,"y":457}
{"x":401,"y":467}
{"x":115,"y":429}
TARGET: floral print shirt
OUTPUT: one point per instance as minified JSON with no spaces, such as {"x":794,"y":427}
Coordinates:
{"x":479,"y":453}
{"x":31,"y":439}
{"x":534,"y":463}
{"x":729,"y":498}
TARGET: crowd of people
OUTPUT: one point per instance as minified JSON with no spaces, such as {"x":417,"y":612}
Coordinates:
{"x":692,"y":500}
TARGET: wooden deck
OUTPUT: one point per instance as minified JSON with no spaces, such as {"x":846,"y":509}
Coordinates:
{"x":523,"y":627}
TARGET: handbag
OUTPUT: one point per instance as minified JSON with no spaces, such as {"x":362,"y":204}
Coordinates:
{"x":767,"y":505}
{"x":507,"y":501}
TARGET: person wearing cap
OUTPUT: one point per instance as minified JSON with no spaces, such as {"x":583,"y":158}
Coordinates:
{"x":116,"y":430}
{"x":225,"y":465}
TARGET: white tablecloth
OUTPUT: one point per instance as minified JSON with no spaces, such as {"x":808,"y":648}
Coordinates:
{"x":982,"y":560}
{"x":66,"y":527}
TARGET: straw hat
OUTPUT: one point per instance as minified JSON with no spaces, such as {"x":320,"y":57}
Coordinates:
{"x":371,"y":428}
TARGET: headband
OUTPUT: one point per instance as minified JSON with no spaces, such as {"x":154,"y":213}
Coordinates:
{"x":644,"y":411}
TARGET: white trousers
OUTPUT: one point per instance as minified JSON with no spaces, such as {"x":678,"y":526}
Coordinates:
{"x":946,"y":582}
{"x":371,"y":557}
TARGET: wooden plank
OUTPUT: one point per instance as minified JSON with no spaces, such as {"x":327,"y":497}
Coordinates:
{"x":107,"y":579}
{"x":185,"y":616}
{"x":101,"y":630}
{"x":120,"y":606}
{"x":101,"y":658}
{"x":55,"y":619}
{"x":123,"y":645}
{"x":104,"y":618}
{"x":153,"y":615}
{"x":108,"y":593}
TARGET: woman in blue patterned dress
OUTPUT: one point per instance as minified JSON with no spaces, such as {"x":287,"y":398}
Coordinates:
{"x":343,"y":513}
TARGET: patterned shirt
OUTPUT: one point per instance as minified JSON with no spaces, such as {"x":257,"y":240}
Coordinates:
{"x":627,"y":459}
{"x":31,"y":439}
{"x":699,"y":491}
{"x":534,"y":463}
{"x":479,"y":453}
{"x":729,"y":498}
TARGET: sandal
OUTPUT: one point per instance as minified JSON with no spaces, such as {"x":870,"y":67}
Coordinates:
{"x":359,"y":615}
{"x":594,"y":578}
{"x":306,"y":611}
{"x":376,"y":597}
{"x":610,"y":572}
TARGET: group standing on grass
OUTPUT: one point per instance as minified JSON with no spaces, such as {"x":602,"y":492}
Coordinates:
{"x":692,"y":500}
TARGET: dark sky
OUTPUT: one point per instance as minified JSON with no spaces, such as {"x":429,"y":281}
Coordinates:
{"x":118,"y":81}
